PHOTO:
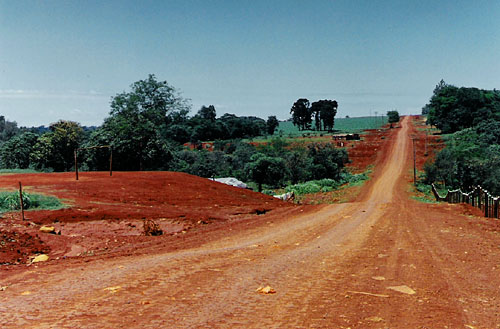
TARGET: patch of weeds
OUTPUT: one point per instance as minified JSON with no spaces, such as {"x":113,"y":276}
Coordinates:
{"x":358,"y":179}
{"x":326,"y":185}
{"x":422,"y":192}
{"x":9,"y":201}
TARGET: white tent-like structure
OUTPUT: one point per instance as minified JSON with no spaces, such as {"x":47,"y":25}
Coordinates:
{"x":231,"y":181}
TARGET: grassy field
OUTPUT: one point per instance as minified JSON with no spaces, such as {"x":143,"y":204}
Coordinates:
{"x":286,"y":129}
{"x":342,"y":125}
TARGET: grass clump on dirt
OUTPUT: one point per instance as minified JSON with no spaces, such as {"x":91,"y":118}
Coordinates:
{"x":9,"y":201}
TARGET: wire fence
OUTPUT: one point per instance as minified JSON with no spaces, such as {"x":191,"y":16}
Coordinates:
{"x":478,"y":197}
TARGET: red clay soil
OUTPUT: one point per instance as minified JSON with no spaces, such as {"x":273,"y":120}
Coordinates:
{"x":104,"y":213}
{"x":383,"y":261}
{"x":16,"y":247}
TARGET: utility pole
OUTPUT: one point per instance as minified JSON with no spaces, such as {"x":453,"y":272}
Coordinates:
{"x":413,"y":138}
{"x":426,"y":132}
{"x":76,"y":163}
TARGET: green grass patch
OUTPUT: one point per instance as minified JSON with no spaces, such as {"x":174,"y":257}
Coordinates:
{"x":314,"y":186}
{"x":342,"y":125}
{"x":9,"y":201}
{"x":17,"y":171}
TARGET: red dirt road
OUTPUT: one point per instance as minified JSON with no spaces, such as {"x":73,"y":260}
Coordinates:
{"x":331,"y":267}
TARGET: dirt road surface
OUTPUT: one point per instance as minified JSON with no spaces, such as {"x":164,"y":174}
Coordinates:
{"x":384,"y":261}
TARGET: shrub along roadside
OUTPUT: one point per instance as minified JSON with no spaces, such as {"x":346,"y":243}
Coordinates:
{"x":471,"y":158}
{"x":325,"y":185}
{"x":9,"y":201}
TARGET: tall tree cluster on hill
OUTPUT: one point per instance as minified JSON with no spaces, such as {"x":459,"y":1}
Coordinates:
{"x":472,"y":153}
{"x":324,"y":112}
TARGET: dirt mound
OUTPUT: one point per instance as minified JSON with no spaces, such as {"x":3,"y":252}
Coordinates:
{"x":107,"y":214}
{"x":139,"y":195}
{"x":16,"y":247}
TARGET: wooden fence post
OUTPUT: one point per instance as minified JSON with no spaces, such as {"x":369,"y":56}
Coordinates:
{"x":495,"y":208}
{"x":486,"y":213}
{"x":76,"y":164}
{"x":21,"y":200}
{"x":111,"y":162}
{"x":485,"y":201}
{"x":479,"y":192}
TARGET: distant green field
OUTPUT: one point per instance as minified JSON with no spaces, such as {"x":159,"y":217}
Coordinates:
{"x":342,"y":125}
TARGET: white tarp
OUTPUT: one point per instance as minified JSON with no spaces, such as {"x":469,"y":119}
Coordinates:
{"x":231,"y":181}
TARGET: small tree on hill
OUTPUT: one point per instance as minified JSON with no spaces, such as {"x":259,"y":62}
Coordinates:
{"x":271,"y":124}
{"x":393,"y":116}
{"x":267,"y":170}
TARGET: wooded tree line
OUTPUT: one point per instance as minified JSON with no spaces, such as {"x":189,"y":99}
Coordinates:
{"x":273,"y":165}
{"x":146,"y":129}
{"x":471,"y":118}
{"x":144,"y":126}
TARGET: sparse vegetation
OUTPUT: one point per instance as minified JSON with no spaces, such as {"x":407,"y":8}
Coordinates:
{"x":327,"y":185}
{"x":9,"y":201}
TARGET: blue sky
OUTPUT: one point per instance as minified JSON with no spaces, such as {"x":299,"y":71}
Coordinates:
{"x":66,"y":59}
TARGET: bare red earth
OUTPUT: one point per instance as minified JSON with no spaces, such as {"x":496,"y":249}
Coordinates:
{"x":106,"y":213}
{"x":383,"y":261}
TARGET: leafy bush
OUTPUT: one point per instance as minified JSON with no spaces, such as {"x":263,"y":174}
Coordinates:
{"x":314,"y":186}
{"x":354,"y":179}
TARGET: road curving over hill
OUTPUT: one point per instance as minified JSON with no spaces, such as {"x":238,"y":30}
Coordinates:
{"x":384,"y":261}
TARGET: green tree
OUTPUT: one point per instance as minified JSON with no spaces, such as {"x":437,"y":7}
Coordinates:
{"x":452,"y":109}
{"x":298,"y":164}
{"x":267,"y":170}
{"x":271,"y":124}
{"x":426,"y":109}
{"x":240,"y":154}
{"x":325,"y":111}
{"x":15,"y":153}
{"x":178,"y":128}
{"x":138,"y":124}
{"x":207,"y":113}
{"x":8,"y":129}
{"x":301,"y":114}
{"x":393,"y":116}
{"x":326,"y":161}
{"x":55,"y":149}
